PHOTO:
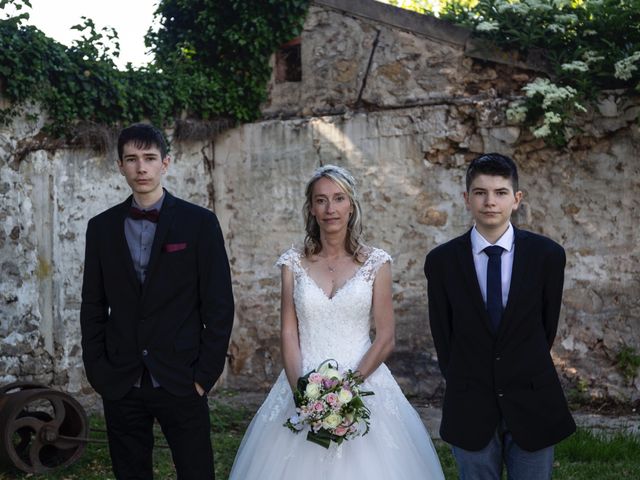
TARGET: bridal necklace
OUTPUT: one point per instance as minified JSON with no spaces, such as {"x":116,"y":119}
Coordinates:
{"x":336,"y":261}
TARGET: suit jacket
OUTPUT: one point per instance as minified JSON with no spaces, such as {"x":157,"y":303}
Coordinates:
{"x":177,"y":323}
{"x":504,"y":375}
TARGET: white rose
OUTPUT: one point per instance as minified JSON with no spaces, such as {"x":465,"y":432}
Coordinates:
{"x":345,"y":396}
{"x":332,"y":421}
{"x":333,"y":373}
{"x":312,"y":391}
{"x":328,"y":371}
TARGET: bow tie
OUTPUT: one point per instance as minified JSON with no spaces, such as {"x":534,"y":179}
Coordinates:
{"x":151,"y":215}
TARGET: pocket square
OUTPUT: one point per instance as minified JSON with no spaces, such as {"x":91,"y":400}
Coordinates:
{"x":173,"y":247}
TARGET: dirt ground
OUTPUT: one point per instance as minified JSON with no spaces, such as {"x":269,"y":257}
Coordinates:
{"x":601,"y":417}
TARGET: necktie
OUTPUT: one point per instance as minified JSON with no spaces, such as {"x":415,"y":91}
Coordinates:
{"x":494,"y":285}
{"x":151,"y":215}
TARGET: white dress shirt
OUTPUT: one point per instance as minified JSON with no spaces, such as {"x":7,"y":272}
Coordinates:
{"x":481,"y":259}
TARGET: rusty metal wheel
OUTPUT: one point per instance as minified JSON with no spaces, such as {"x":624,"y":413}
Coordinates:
{"x":16,"y":386}
{"x":40,"y":429}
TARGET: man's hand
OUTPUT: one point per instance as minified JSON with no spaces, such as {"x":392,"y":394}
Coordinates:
{"x":199,"y":389}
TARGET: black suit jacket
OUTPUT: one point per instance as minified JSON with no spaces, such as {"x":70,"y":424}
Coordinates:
{"x":507,"y":375}
{"x":177,"y":323}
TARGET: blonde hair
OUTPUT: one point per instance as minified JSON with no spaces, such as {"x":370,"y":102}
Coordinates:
{"x":341,"y":177}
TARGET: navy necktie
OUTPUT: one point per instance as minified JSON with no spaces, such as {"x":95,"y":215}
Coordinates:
{"x":494,"y":285}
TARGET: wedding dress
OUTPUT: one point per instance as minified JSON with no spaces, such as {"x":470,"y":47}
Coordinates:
{"x":397,"y":447}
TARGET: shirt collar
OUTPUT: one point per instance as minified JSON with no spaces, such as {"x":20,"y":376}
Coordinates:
{"x":157,"y":205}
{"x":479,"y":243}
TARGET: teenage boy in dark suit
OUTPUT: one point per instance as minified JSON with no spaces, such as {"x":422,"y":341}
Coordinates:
{"x":494,"y":301}
{"x":156,"y":315}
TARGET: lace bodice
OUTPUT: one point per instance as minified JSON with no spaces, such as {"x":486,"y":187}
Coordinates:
{"x":397,"y":446}
{"x":334,"y":327}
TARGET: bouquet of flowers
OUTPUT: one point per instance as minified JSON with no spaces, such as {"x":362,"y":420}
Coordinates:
{"x":329,"y":403}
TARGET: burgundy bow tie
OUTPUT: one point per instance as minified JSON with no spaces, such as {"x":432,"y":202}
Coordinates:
{"x":151,"y":215}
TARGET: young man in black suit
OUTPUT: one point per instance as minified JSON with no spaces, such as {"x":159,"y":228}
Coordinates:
{"x":156,"y":315}
{"x":494,"y":302}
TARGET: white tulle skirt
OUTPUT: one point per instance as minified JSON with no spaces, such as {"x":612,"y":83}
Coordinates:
{"x":397,"y":447}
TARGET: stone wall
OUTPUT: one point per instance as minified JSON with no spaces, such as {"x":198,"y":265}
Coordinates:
{"x":404,"y":113}
{"x":47,"y":199}
{"x":412,"y":202}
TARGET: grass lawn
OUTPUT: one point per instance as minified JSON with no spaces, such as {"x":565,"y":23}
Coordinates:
{"x":583,"y":456}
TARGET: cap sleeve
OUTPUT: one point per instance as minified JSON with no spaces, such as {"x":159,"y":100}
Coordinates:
{"x":290,"y":258}
{"x":376,"y":259}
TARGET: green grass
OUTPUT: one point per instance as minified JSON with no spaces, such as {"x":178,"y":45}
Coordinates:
{"x":583,"y":456}
{"x":590,"y":456}
{"x":228,"y":425}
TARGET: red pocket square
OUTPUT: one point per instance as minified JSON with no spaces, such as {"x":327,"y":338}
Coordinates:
{"x":173,"y":247}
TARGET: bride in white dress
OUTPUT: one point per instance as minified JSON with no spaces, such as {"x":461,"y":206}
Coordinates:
{"x":331,"y":289}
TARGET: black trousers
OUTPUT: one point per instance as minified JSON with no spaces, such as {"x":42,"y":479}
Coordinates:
{"x":185,"y":424}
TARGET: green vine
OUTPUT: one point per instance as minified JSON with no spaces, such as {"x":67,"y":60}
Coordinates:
{"x":628,"y":362}
{"x":591,"y":45}
{"x":212,"y":61}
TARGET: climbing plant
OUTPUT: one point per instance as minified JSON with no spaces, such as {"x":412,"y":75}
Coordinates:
{"x":590,"y":46}
{"x":212,"y":60}
{"x":219,"y":50}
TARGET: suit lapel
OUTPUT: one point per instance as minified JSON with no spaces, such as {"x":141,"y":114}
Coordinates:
{"x":470,"y":277}
{"x":122,"y":245}
{"x":520,"y":261}
{"x":167,"y":213}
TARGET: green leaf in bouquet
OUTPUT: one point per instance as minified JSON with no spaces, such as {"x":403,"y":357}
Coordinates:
{"x":324,"y":438}
{"x":298,"y":395}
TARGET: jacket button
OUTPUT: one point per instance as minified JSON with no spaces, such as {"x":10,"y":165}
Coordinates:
{"x":145,"y":352}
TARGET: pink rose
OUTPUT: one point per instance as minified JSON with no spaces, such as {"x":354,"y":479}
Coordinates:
{"x":318,"y":406}
{"x":341,"y":431}
{"x":332,"y":399}
{"x":315,"y":378}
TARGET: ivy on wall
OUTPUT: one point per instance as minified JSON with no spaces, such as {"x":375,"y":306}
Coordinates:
{"x":212,"y":60}
{"x":590,"y":45}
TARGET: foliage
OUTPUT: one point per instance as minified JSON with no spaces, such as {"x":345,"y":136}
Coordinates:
{"x":584,"y":455}
{"x":578,"y":395}
{"x":427,"y":6}
{"x":227,"y":426}
{"x":420,"y":6}
{"x":79,"y":83}
{"x":628,"y":363}
{"x":219,"y":50}
{"x":590,"y":45}
{"x":586,"y":446}
{"x":589,"y":455}
{"x":212,"y":60}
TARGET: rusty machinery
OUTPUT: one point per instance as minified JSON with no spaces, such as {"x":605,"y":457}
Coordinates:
{"x":40,"y":429}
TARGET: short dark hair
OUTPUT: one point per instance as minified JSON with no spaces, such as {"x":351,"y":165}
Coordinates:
{"x":493,"y":164}
{"x":142,"y":135}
